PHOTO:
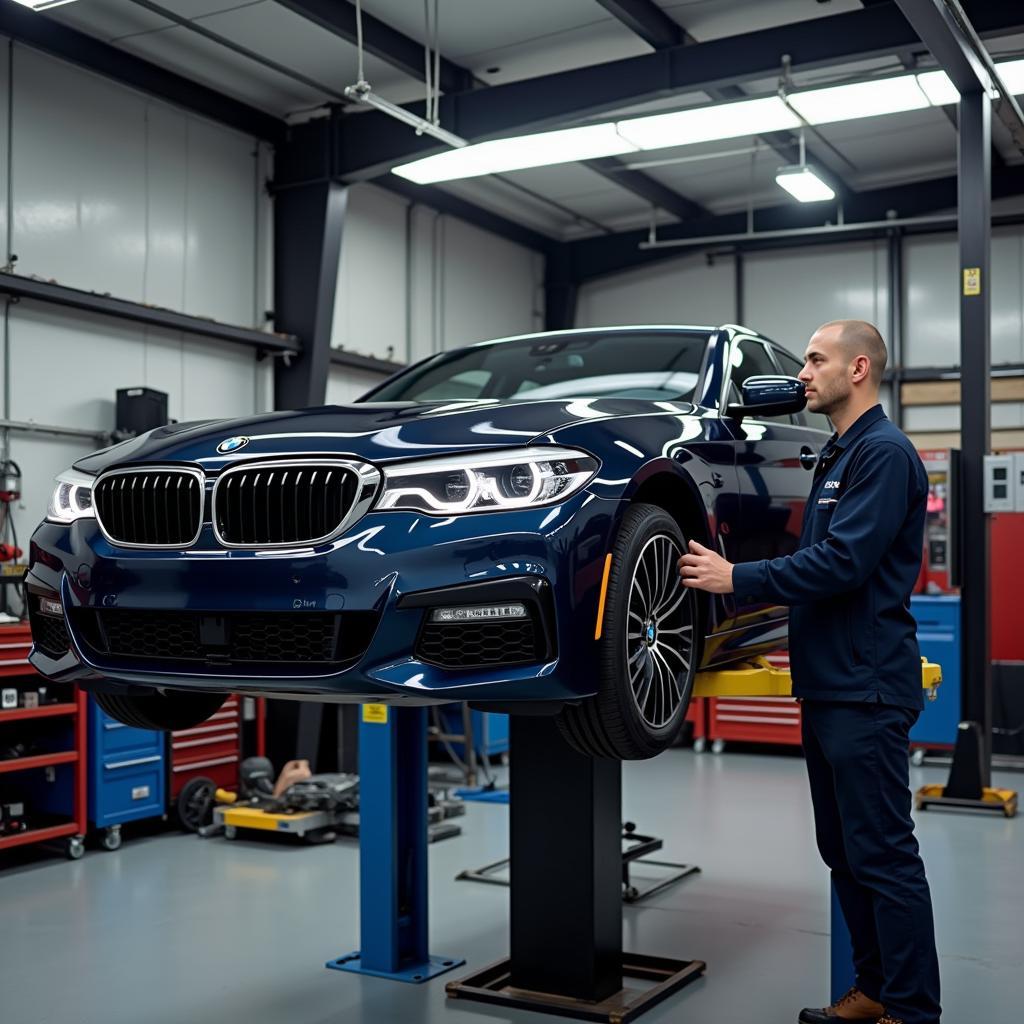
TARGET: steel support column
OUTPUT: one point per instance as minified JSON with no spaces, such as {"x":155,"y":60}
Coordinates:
{"x":975,"y":237}
{"x":308,"y":222}
{"x":895,"y":325}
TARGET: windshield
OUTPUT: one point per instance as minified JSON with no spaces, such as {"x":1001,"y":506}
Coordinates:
{"x":659,"y":365}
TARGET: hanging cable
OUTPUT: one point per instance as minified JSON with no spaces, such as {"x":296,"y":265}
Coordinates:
{"x":360,"y":76}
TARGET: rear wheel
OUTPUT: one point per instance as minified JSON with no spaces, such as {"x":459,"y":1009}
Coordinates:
{"x":649,"y":646}
{"x":164,"y":712}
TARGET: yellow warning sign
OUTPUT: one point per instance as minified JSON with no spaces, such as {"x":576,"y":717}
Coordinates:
{"x":972,"y":280}
{"x":375,"y":713}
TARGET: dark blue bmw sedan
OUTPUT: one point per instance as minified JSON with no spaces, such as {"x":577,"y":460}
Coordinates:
{"x":496,"y":524}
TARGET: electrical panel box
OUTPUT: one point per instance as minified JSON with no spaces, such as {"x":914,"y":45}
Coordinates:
{"x":1000,"y":486}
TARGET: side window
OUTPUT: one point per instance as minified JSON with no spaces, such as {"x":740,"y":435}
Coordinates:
{"x":792,"y":367}
{"x":751,"y":359}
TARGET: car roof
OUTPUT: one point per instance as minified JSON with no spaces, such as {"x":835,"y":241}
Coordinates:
{"x":615,"y":329}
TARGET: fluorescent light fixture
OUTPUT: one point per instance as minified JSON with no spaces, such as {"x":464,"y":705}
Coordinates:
{"x":802,"y":183}
{"x":517,"y":153}
{"x":42,"y":5}
{"x":709,"y":124}
{"x":362,"y":93}
{"x":938,"y":88}
{"x":1012,"y":74}
{"x":827,"y":105}
{"x":861,"y":99}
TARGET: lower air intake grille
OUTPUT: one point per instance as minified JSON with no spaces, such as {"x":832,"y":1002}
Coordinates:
{"x":48,"y":632}
{"x":479,"y":644}
{"x":286,"y":638}
{"x":151,"y":507}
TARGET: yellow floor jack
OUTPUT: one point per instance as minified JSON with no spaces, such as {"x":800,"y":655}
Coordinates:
{"x":758,"y":678}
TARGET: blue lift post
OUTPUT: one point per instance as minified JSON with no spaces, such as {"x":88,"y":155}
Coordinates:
{"x":393,"y":849}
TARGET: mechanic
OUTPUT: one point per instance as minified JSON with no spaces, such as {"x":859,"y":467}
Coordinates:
{"x":856,"y":671}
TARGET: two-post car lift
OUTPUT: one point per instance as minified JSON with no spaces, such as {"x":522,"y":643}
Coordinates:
{"x":566,"y":955}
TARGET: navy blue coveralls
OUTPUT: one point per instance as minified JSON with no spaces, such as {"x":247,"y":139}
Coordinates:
{"x":856,"y":667}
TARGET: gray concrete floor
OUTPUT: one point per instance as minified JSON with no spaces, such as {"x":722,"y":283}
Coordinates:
{"x":172,"y":929}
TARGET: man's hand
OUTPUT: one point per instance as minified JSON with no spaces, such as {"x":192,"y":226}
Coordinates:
{"x":704,"y":569}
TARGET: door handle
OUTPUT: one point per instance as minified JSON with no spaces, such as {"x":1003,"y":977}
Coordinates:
{"x":808,"y":458}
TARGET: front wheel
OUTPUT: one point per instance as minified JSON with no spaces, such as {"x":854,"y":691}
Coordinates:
{"x":163,"y":712}
{"x":649,"y":645}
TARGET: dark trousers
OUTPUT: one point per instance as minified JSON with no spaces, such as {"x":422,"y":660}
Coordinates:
{"x":860,"y":788}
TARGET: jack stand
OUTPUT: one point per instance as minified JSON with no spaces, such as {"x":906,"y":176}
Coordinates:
{"x":635,"y":850}
{"x":566,"y":955}
{"x":393,"y":849}
{"x":965,"y":785}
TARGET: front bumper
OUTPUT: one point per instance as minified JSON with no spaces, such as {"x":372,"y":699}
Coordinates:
{"x":374,"y":577}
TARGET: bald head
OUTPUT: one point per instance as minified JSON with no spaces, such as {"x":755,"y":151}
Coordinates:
{"x":859,"y":338}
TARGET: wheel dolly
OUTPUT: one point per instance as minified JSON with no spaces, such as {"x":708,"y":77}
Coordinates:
{"x":566,"y":957}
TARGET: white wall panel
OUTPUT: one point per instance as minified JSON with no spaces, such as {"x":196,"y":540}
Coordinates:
{"x":788,"y":293}
{"x":370,"y":304}
{"x":345,"y":385}
{"x":425,"y":248}
{"x":5,"y":99}
{"x":217,"y":380}
{"x":932,"y":296}
{"x":678,"y":291}
{"x":490,"y":287}
{"x":79,"y":177}
{"x":220,"y":257}
{"x":167,"y":175}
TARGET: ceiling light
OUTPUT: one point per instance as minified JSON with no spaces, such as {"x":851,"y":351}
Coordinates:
{"x":709,"y":124}
{"x":938,"y":88}
{"x":500,"y":155}
{"x":1011,"y":73}
{"x":42,"y":5}
{"x":362,"y":93}
{"x":802,"y":183}
{"x":861,"y":99}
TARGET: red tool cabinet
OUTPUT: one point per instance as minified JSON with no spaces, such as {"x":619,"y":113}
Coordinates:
{"x":57,"y":808}
{"x":754,"y":719}
{"x":212,"y":749}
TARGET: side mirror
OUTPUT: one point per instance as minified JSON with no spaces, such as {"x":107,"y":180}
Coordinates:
{"x":769,"y":396}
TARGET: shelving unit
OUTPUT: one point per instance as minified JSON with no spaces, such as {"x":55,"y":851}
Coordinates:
{"x":70,"y":800}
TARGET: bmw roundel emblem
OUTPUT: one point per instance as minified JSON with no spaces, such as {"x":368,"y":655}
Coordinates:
{"x":232,"y":444}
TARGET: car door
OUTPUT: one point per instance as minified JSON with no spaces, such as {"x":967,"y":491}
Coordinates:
{"x":775,"y":459}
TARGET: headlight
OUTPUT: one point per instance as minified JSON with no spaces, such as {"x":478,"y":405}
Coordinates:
{"x":72,"y":497}
{"x":487,"y":482}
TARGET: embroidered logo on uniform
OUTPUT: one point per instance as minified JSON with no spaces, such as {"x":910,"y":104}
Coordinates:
{"x":832,"y":485}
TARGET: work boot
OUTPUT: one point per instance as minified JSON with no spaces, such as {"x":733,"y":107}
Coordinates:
{"x":853,"y":1006}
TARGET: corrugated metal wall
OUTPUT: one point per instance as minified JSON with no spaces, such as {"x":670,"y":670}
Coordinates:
{"x":104,"y":189}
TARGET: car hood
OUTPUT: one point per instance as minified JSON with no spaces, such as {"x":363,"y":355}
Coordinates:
{"x":378,"y":432}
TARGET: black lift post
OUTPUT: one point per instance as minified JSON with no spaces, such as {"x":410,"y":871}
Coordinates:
{"x":566,"y":954}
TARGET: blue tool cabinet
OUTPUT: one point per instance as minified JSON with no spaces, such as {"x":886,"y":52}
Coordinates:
{"x":127,"y":774}
{"x":938,"y":633}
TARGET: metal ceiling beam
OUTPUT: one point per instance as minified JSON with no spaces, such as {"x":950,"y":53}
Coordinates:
{"x":388,"y":44}
{"x":406,"y":55}
{"x":41,"y":33}
{"x":647,"y":188}
{"x":445,"y":202}
{"x":607,"y":254}
{"x":373,"y":143}
{"x":647,"y":20}
{"x":945,"y":29}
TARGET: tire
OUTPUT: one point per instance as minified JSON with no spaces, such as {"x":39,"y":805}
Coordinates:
{"x":195,"y":803}
{"x":649,"y":647}
{"x":161,"y":712}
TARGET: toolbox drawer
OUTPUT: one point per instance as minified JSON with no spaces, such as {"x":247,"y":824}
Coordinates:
{"x":935,"y":614}
{"x":131,"y":788}
{"x":112,"y":736}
